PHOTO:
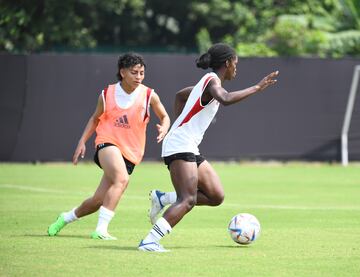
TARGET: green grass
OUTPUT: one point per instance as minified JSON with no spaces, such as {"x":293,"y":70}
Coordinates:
{"x":309,"y":215}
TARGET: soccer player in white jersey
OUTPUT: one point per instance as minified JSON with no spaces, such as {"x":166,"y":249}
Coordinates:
{"x":194,"y":179}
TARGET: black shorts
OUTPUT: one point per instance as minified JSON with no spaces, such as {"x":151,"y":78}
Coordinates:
{"x":186,"y":156}
{"x":129,"y":165}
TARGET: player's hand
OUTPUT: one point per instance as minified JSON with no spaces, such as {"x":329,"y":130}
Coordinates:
{"x":161,"y":131}
{"x":267,"y":81}
{"x":79,"y":151}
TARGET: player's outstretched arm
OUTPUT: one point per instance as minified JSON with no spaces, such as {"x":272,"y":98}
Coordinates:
{"x":268,"y":80}
{"x":163,"y":116}
{"x":88,"y":131}
{"x":228,"y":98}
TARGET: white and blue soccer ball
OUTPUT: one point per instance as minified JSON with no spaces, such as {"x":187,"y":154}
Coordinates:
{"x":244,"y":228}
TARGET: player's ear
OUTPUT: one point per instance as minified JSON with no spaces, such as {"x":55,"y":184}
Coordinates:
{"x":227,"y":63}
{"x":122,"y":73}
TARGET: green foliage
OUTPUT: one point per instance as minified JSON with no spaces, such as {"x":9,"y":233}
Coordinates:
{"x":350,"y":13}
{"x":344,"y":43}
{"x":254,"y":50}
{"x":314,"y":35}
{"x":316,"y":43}
{"x":12,"y":30}
{"x":325,"y":28}
{"x":288,"y":35}
{"x":31,"y":27}
{"x":224,"y":18}
{"x":203,"y":40}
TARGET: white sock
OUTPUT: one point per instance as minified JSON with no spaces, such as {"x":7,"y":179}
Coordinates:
{"x":105,"y":216}
{"x":70,"y":216}
{"x":159,"y":230}
{"x":168,"y":198}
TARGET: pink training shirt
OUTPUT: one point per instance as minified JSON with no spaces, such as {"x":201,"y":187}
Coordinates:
{"x":125,"y":128}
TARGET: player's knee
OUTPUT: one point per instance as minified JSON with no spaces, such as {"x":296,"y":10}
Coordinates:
{"x":189,"y":202}
{"x":121,"y":182}
{"x":217,"y":199}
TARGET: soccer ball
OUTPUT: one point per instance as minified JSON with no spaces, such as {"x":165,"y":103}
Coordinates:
{"x":244,"y":228}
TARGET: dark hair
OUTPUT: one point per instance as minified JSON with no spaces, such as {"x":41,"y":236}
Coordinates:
{"x":129,"y":60}
{"x":216,"y":56}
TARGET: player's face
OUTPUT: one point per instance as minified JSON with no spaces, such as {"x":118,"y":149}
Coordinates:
{"x":132,"y":76}
{"x":231,"y":68}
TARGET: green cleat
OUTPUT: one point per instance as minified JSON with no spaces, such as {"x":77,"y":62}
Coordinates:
{"x":56,"y":226}
{"x":98,"y":235}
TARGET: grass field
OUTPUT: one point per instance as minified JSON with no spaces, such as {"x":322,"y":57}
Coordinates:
{"x":309,"y":213}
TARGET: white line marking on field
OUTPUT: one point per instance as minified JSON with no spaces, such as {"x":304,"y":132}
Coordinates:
{"x":286,"y":207}
{"x":243,"y":206}
{"x":63,"y":192}
{"x":29,"y":188}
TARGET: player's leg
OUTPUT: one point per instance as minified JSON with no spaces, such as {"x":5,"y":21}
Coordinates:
{"x":184,"y":177}
{"x":210,"y":189}
{"x":116,"y":173}
{"x":158,"y":200}
{"x":105,"y":198}
{"x":93,"y":203}
{"x":88,"y":206}
{"x":116,"y":180}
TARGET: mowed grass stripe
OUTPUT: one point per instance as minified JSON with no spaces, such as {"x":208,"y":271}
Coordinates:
{"x":138,"y":197}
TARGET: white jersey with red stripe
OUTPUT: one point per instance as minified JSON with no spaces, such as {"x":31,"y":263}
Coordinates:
{"x":188,"y":129}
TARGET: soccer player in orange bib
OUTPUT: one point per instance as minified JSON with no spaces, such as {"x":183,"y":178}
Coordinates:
{"x":120,"y":121}
{"x":194,"y":179}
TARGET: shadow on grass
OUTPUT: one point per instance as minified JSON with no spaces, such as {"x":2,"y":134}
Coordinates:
{"x":233,"y":246}
{"x":134,"y":248}
{"x":113,"y":247}
{"x":56,"y":237}
{"x":208,"y":246}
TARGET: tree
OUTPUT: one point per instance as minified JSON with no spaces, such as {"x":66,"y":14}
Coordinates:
{"x":328,"y":28}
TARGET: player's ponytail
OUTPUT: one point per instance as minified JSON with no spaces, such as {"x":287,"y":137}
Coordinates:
{"x":216,"y":56}
{"x":204,"y":61}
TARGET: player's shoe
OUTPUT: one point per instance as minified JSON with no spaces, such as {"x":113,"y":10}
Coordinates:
{"x":103,"y":236}
{"x":156,"y":205}
{"x":56,"y":226}
{"x":151,"y":247}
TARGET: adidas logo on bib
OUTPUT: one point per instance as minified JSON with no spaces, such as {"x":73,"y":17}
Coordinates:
{"x":122,"y":122}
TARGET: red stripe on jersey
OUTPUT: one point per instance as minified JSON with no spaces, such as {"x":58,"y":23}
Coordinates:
{"x":197,"y":107}
{"x":148,"y":93}
{"x":194,"y":110}
{"x":207,"y":81}
{"x":105,"y":92}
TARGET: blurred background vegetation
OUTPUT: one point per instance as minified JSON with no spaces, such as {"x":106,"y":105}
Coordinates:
{"x":265,"y":28}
